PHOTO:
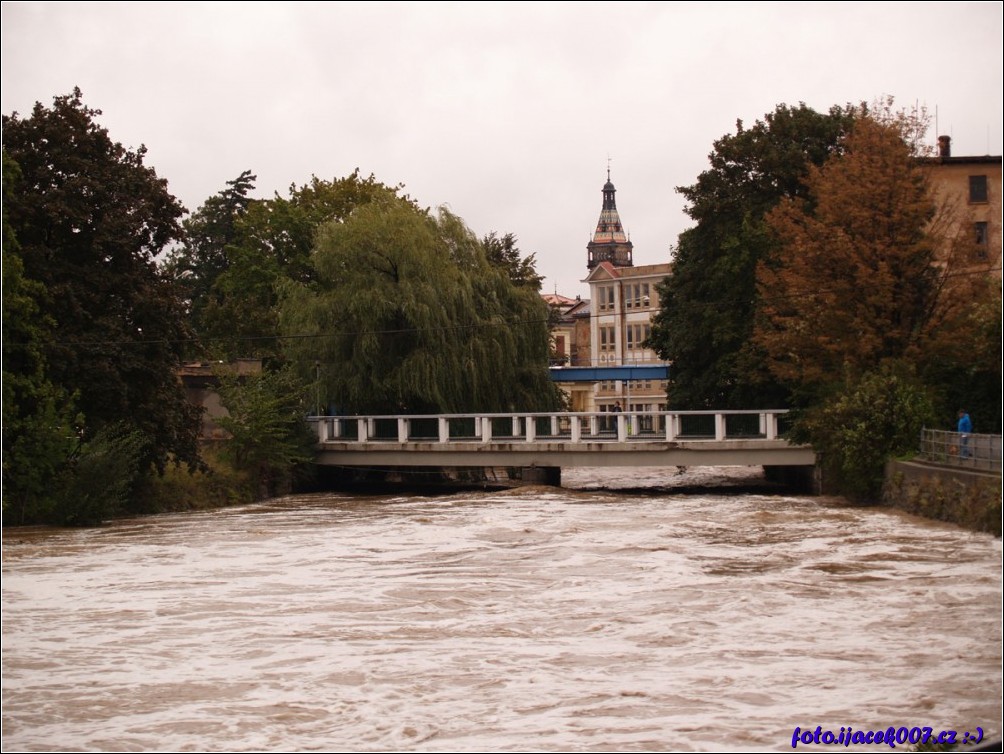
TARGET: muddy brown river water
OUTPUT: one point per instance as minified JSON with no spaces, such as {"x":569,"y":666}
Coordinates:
{"x":602,"y":616}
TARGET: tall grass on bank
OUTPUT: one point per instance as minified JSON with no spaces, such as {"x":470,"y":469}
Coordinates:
{"x":178,"y":490}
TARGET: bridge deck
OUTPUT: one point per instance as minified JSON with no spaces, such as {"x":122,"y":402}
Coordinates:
{"x":739,"y":438}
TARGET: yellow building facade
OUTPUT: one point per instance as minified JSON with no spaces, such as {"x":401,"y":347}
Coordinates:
{"x":967,"y":192}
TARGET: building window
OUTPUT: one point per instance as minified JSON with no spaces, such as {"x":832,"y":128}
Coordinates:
{"x":606,"y":295}
{"x":608,"y":337}
{"x":981,"y":239}
{"x":978,"y":189}
{"x":637,"y":335}
{"x":636,"y":296}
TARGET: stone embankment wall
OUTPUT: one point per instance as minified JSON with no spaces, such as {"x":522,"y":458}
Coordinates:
{"x":968,"y":498}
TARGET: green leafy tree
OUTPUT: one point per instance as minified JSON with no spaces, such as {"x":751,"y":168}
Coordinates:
{"x":202,"y":258}
{"x":963,"y":359}
{"x":49,"y":474}
{"x":240,"y":321}
{"x":503,"y":253}
{"x":39,"y":418}
{"x":406,"y":314}
{"x":285,"y":228}
{"x":38,"y":432}
{"x":90,"y":217}
{"x":705,"y":322}
{"x":270,"y":242}
{"x":269,"y":436}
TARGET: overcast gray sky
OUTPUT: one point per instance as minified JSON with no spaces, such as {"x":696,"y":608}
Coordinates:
{"x":505,"y":112}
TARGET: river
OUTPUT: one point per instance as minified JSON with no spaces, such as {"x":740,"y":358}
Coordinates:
{"x":628,"y":611}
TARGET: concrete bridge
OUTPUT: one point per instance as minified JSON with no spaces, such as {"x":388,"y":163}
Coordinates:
{"x":556,"y":440}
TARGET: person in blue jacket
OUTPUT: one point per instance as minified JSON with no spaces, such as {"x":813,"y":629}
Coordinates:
{"x":965,"y":429}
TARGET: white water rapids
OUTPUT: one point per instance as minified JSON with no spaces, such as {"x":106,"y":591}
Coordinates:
{"x":536,"y":619}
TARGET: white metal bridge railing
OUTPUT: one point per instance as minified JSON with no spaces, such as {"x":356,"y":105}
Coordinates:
{"x":627,"y":426}
{"x":979,"y":452}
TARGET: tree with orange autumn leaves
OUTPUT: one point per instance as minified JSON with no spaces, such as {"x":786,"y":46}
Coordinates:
{"x":874,"y":305}
{"x":866,"y":268}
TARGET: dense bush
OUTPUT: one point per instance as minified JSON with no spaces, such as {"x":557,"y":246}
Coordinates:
{"x":97,"y":481}
{"x":877,"y":417}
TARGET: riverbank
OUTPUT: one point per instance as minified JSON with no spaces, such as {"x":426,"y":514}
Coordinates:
{"x":971,"y":499}
{"x":219,"y":486}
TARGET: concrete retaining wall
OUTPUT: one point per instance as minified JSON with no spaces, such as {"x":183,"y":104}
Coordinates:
{"x":969,"y":498}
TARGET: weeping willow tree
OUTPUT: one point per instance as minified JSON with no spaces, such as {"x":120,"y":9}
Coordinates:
{"x":405,"y":313}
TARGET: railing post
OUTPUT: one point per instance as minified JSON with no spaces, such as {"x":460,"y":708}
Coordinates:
{"x":486,"y":429}
{"x":531,"y":429}
{"x":768,"y":425}
{"x":576,"y":429}
{"x":554,"y":426}
{"x":515,"y":426}
{"x":719,"y":427}
{"x":402,"y":430}
{"x":670,"y":427}
{"x":594,"y":425}
{"x":363,"y":425}
{"x":621,"y":428}
{"x":444,"y":429}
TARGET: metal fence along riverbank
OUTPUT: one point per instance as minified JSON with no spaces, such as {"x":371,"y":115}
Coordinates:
{"x":966,"y":451}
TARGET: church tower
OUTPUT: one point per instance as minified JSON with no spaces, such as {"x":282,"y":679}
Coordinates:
{"x":609,"y":243}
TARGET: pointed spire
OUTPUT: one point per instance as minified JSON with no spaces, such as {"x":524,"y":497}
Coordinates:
{"x":609,"y":228}
{"x":609,"y":243}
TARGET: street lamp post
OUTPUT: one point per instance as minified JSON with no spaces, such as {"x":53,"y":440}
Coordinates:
{"x":317,"y":385}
